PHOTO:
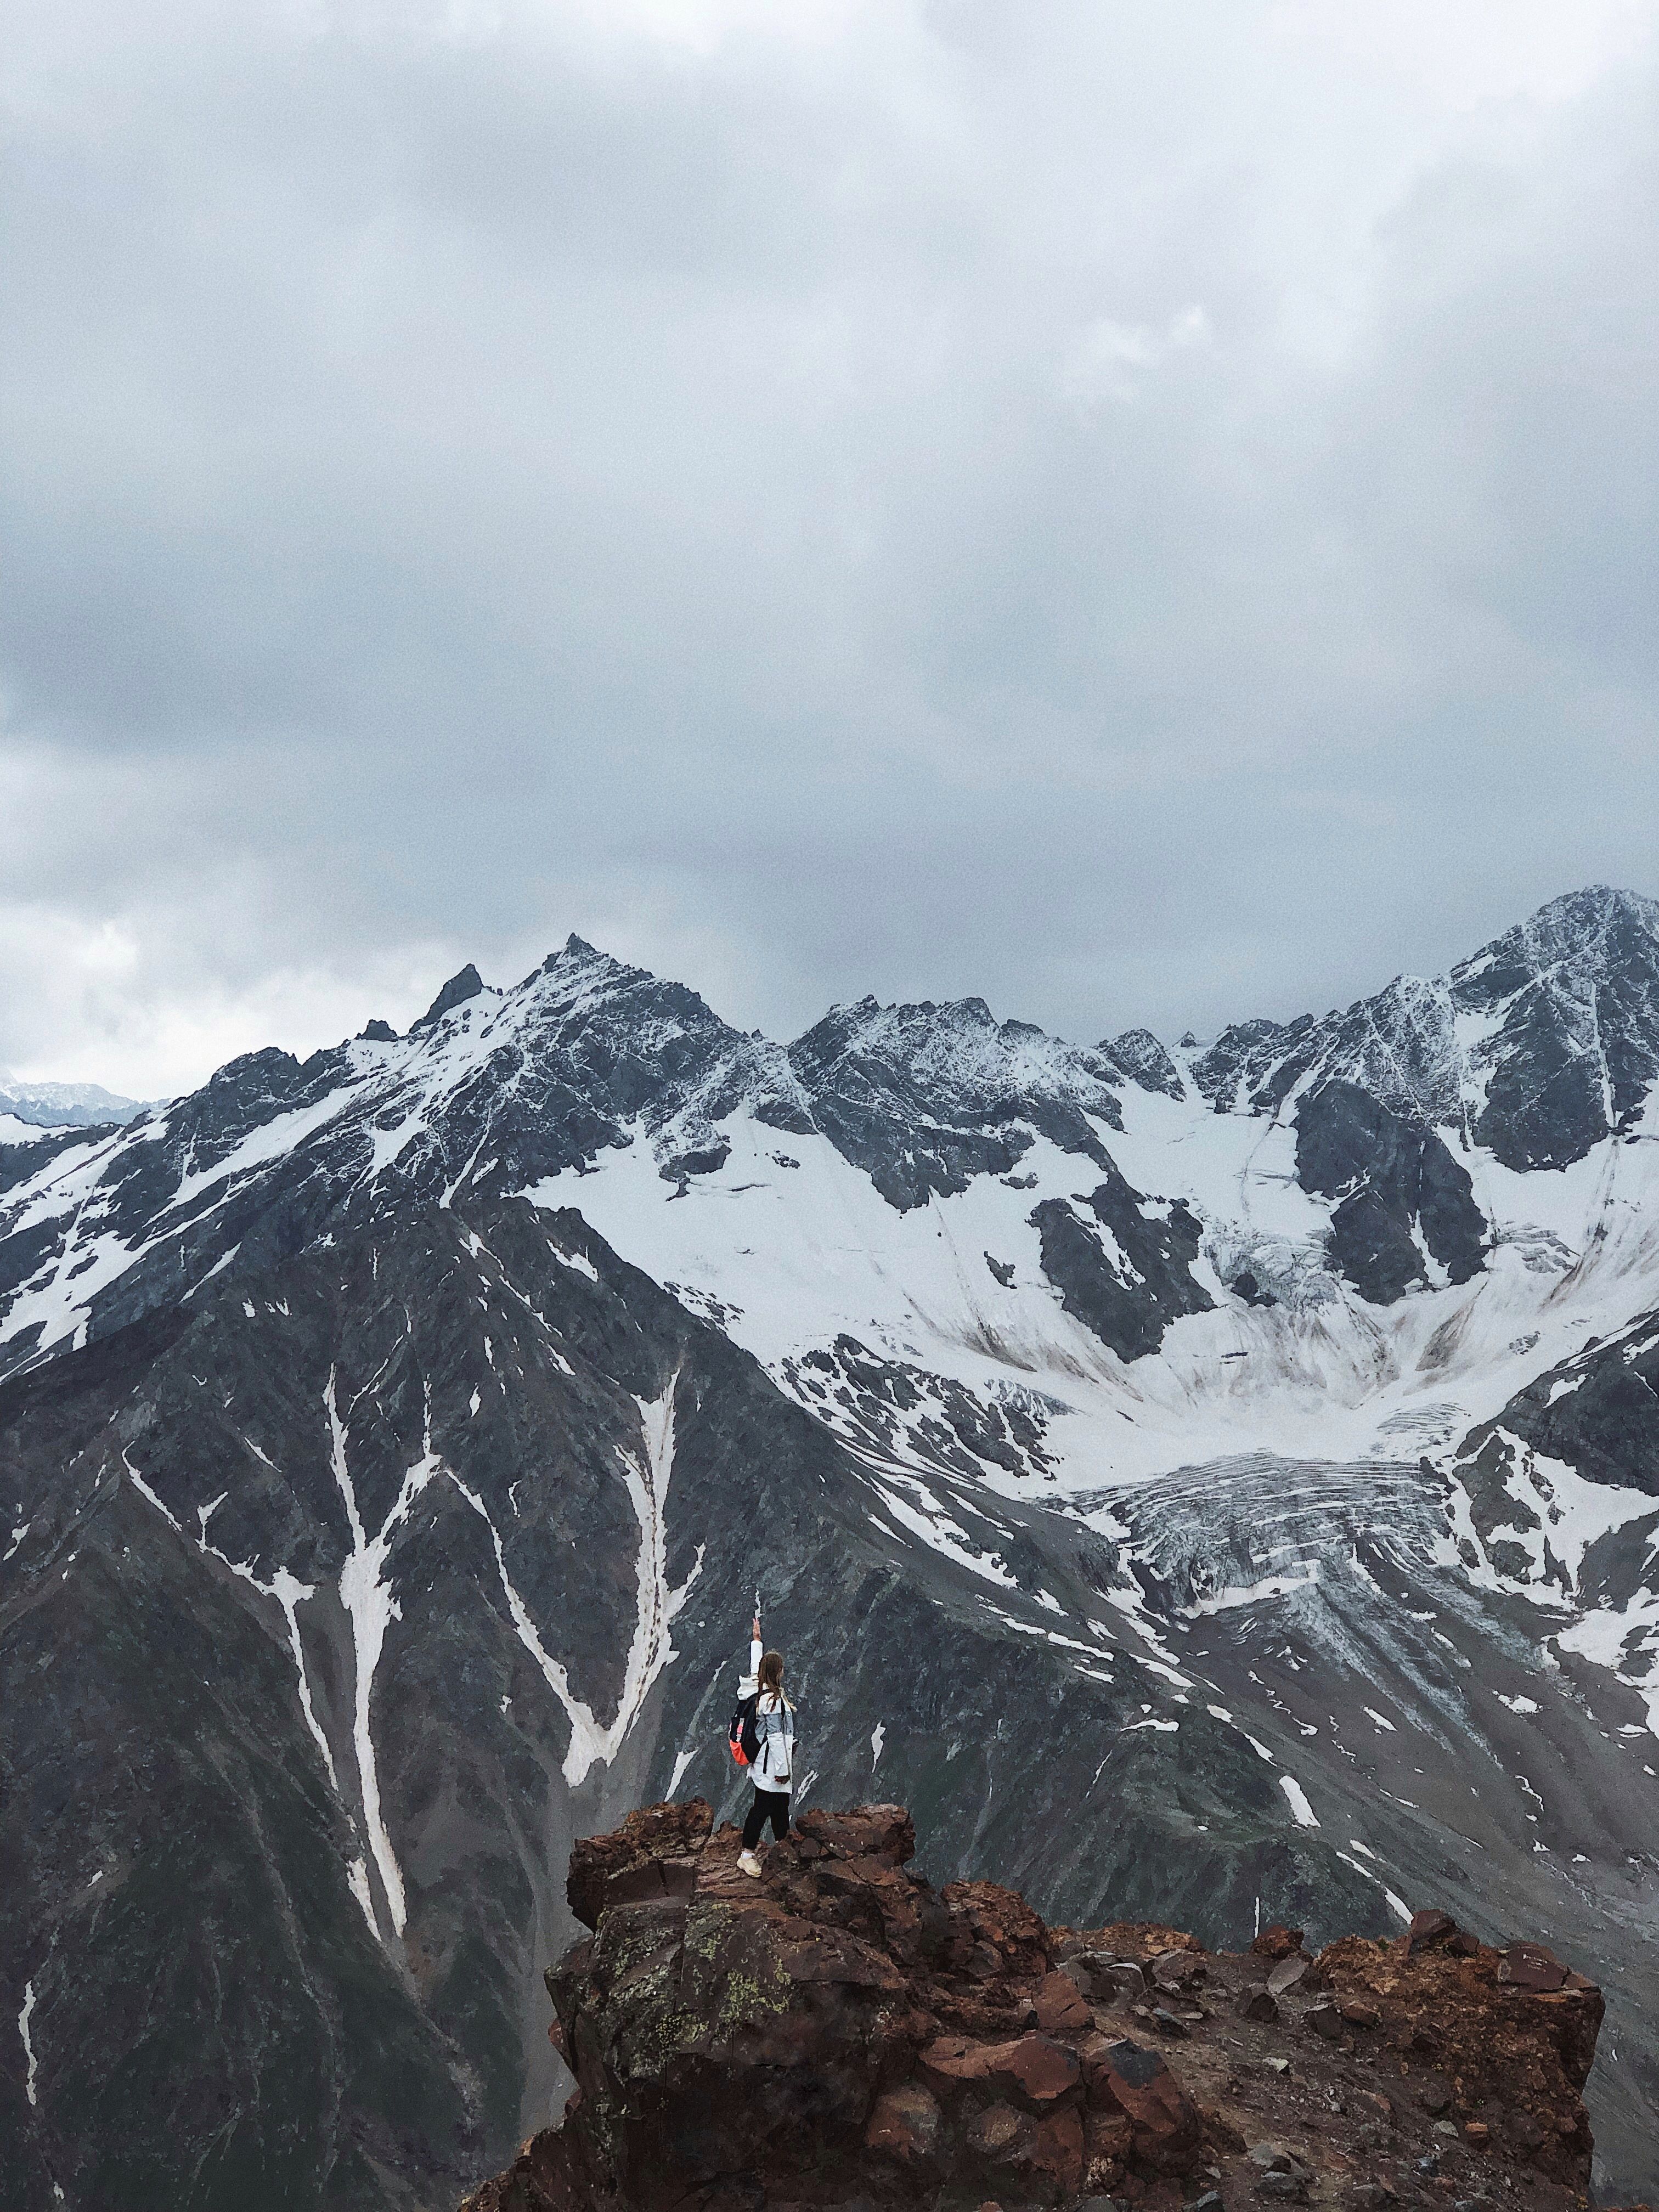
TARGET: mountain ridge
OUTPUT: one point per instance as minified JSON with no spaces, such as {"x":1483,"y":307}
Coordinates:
{"x":1286,"y":1460}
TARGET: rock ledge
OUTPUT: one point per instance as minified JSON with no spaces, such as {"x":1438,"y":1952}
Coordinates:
{"x":841,"y":2033}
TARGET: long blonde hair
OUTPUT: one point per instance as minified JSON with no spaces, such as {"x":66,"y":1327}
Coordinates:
{"x":770,"y":1679}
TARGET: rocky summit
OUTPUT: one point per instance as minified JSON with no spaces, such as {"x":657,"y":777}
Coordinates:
{"x":841,"y":2033}
{"x":1215,"y":1484}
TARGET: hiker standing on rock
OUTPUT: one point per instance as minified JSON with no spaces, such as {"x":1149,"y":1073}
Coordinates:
{"x":773,"y":1763}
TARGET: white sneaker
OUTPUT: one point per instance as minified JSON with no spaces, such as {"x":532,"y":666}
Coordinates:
{"x":749,"y":1862}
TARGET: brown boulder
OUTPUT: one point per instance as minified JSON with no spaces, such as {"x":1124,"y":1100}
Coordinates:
{"x":886,"y":1831}
{"x":1276,"y":1942}
{"x":1034,"y":2069}
{"x":1430,"y":1926}
{"x":1008,"y":1937}
{"x":1165,"y":2126}
{"x":1057,"y":2151}
{"x":1530,"y":1966}
{"x":1060,"y":2009}
{"x":904,"y":2124}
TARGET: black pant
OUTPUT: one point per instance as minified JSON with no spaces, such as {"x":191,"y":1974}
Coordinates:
{"x":771,"y":1805}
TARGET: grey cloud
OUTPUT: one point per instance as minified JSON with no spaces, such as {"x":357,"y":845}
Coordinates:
{"x":1033,"y":505}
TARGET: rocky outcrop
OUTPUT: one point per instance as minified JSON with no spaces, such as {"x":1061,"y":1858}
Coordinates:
{"x":1122,"y":1264}
{"x":1406,"y":1206}
{"x":1145,"y":1060}
{"x":1594,"y":1413}
{"x":925,"y":1097}
{"x":839,"y":2032}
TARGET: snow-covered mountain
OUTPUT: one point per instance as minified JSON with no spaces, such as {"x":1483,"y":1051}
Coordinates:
{"x":1217,"y":1480}
{"x":25,"y":1108}
{"x":1539,"y":1045}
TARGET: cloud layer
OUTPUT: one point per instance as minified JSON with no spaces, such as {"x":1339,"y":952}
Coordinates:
{"x":1148,"y":515}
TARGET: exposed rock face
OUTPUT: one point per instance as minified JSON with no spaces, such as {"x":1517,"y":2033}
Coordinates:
{"x":1145,"y":1060}
{"x":1405,"y":1204}
{"x":839,"y":2032}
{"x":1123,"y":1267}
{"x":925,"y":1097}
{"x":465,"y":985}
{"x":885,"y":1405}
{"x":1597,"y":1413}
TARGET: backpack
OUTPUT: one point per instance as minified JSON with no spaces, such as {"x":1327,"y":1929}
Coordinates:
{"x":742,"y":1738}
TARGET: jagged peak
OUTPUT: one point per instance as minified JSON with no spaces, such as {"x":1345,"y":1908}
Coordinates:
{"x":466,"y":983}
{"x":1145,"y":1060}
{"x":1569,"y":931}
{"x":953,"y":1056}
{"x":909,"y":1024}
{"x":585,"y":968}
{"x":578,"y":952}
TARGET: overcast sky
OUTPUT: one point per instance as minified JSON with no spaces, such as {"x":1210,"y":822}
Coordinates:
{"x":1144,"y":513}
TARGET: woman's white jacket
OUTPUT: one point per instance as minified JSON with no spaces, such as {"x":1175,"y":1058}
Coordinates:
{"x":773,"y":1769}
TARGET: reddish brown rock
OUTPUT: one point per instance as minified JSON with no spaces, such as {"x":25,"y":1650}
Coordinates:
{"x":838,"y":2031}
{"x":1276,"y":1942}
{"x":1060,"y":2007}
{"x":1427,"y":1927}
{"x":652,"y":1854}
{"x":904,"y":2125}
{"x":1031,"y":2068}
{"x":1009,"y":1939}
{"x":885,"y":1831}
{"x":1490,"y":2039}
{"x":1142,"y":1940}
{"x":1530,"y":1966}
{"x":1165,"y":2123}
{"x":1057,"y":2151}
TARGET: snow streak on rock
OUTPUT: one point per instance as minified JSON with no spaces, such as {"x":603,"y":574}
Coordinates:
{"x":23,"y":2019}
{"x":371,"y":1608}
{"x":144,"y":1491}
{"x":289,"y":1592}
{"x":651,"y":1650}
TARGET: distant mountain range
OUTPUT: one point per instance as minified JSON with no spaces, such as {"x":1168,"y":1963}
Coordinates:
{"x":62,"y":1105}
{"x":1204,"y":1482}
